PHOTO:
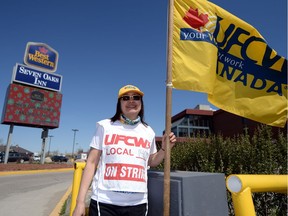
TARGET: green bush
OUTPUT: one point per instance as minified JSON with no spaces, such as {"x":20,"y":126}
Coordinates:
{"x":260,"y":154}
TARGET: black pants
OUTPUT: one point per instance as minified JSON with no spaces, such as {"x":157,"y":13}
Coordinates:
{"x":114,"y":210}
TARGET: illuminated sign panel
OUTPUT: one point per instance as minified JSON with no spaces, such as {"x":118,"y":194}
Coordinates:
{"x":42,"y":56}
{"x":30,"y":76}
{"x":33,"y":107}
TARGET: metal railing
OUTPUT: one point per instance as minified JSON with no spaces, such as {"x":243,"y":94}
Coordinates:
{"x":242,"y":187}
{"x":78,"y":171}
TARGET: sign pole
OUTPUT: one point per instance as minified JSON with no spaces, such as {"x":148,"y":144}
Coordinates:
{"x":44,"y":135}
{"x":8,"y":143}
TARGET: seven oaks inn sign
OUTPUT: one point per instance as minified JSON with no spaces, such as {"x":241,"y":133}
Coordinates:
{"x":30,"y":76}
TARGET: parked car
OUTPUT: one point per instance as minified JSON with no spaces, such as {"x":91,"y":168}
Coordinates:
{"x":82,"y":156}
{"x":2,"y":157}
{"x":14,"y":157}
{"x":36,"y":158}
{"x":59,"y":158}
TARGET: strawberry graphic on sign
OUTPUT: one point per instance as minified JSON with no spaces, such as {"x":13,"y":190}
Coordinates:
{"x":195,"y":20}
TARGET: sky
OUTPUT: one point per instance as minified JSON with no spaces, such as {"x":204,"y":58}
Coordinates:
{"x":102,"y":46}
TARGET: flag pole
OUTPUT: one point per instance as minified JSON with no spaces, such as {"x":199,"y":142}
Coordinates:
{"x":166,"y":194}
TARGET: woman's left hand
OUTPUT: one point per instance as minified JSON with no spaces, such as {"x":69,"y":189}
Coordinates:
{"x":172,"y":139}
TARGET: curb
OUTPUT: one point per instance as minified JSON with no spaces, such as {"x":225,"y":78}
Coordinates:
{"x":58,"y":207}
{"x":5,"y":173}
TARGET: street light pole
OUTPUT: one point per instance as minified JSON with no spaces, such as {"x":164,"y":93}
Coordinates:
{"x":75,"y":130}
{"x":50,"y":136}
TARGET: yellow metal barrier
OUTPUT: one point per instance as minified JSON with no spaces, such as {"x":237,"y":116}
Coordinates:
{"x":241,"y":187}
{"x":78,"y":170}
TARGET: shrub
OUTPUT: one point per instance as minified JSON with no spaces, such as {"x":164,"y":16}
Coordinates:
{"x":260,"y":154}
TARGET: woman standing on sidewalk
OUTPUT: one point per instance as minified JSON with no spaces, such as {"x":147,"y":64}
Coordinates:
{"x":122,"y":149}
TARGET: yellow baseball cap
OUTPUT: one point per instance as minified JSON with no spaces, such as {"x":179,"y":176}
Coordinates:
{"x":129,"y":88}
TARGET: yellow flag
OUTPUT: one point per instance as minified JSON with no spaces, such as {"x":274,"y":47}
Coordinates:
{"x":218,"y":53}
{"x":194,"y":51}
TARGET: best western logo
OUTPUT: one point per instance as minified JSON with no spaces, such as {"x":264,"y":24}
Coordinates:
{"x":41,"y":56}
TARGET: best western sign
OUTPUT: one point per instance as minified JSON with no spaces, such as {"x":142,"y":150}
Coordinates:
{"x":29,"y":76}
{"x":42,"y":56}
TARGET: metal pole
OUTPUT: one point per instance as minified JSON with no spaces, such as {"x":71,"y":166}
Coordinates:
{"x":78,"y":170}
{"x":75,"y":130}
{"x":8,"y":143}
{"x":242,"y":187}
{"x":49,"y":144}
{"x":44,"y":135}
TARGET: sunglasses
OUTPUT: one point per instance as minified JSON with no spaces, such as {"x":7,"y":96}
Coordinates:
{"x":133,"y":97}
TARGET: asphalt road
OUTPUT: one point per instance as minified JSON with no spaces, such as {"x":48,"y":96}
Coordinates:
{"x":33,"y":194}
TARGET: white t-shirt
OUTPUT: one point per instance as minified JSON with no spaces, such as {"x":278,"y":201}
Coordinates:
{"x":121,"y":176}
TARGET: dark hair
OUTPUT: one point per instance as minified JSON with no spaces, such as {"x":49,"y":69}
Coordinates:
{"x":119,"y":112}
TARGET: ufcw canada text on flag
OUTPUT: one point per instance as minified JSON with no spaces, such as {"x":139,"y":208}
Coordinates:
{"x":217,"y":53}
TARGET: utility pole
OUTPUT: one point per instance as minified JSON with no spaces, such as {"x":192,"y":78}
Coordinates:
{"x":75,"y":130}
{"x":50,"y":136}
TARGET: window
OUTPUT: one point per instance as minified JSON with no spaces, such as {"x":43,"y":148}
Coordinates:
{"x":192,"y":126}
